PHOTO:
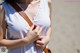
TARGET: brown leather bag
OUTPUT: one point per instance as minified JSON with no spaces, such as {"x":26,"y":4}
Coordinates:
{"x":19,"y":10}
{"x":47,"y":50}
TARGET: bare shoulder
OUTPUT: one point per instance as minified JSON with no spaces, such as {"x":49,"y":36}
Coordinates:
{"x":1,"y":8}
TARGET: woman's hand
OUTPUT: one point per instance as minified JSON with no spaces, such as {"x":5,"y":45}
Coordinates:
{"x":42,"y":42}
{"x":33,"y":34}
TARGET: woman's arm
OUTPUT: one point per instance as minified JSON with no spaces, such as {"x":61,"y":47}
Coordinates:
{"x":50,"y":28}
{"x":31,"y":37}
{"x":11,"y":44}
{"x":2,"y":23}
{"x":4,"y":42}
{"x":43,"y":40}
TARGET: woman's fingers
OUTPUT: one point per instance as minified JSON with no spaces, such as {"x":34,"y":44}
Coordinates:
{"x":39,"y":32}
{"x":32,"y":27}
{"x":38,"y":46}
{"x":39,"y":42}
{"x":36,"y":29}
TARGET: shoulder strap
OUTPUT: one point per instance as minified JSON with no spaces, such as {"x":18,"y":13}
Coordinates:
{"x":19,"y":10}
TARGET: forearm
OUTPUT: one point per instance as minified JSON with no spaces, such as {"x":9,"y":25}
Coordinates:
{"x":43,"y":40}
{"x":11,"y":44}
{"x":30,"y":37}
{"x":18,"y":42}
{"x":49,"y":32}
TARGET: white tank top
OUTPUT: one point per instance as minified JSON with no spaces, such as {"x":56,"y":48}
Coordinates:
{"x":18,"y":27}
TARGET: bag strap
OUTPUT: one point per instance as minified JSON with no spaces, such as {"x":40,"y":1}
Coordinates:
{"x":19,"y":10}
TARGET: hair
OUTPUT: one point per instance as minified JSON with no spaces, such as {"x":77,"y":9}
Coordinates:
{"x":9,"y":1}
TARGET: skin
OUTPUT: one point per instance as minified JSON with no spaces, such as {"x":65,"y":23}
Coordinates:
{"x":32,"y":35}
{"x":44,"y":40}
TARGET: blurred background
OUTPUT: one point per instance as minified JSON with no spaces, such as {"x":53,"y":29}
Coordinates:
{"x":66,"y":27}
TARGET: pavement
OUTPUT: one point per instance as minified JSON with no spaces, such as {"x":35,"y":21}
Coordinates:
{"x":66,"y":27}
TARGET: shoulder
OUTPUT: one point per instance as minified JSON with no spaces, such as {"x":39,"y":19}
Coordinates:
{"x":1,"y":9}
{"x":1,"y":6}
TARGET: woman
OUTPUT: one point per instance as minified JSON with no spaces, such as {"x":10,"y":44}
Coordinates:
{"x":21,"y":38}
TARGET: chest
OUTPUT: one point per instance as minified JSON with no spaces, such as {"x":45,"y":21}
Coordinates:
{"x":30,"y":9}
